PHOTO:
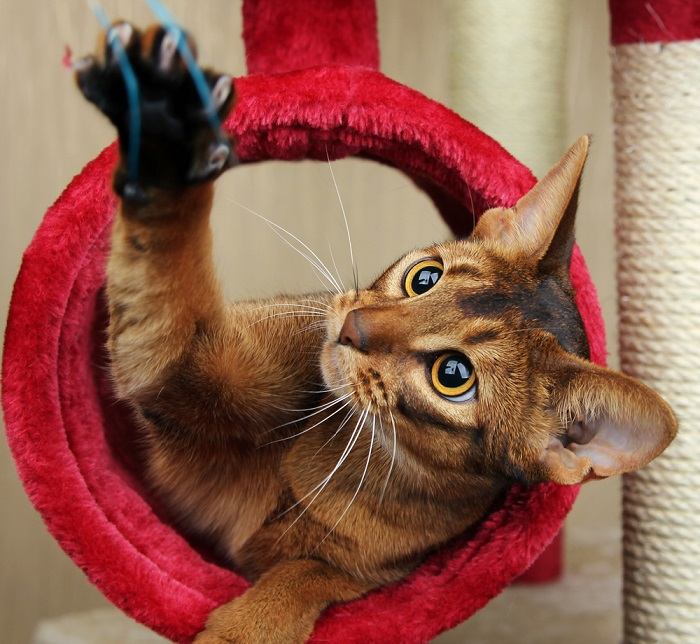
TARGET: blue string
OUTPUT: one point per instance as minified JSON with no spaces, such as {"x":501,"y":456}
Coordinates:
{"x":200,"y":82}
{"x":132,"y":92}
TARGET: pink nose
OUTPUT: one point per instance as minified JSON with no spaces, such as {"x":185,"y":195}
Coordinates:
{"x":351,"y":334}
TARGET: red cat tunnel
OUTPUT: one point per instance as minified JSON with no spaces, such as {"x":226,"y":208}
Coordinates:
{"x":72,"y":440}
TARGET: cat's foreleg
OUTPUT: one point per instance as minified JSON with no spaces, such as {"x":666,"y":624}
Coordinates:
{"x":161,"y":286}
{"x":283,"y":605}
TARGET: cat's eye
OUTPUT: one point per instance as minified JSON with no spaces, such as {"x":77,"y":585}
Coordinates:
{"x":422,"y":276}
{"x":453,"y":377}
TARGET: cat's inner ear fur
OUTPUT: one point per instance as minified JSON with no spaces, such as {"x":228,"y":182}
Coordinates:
{"x":540,"y":227}
{"x":612,"y":423}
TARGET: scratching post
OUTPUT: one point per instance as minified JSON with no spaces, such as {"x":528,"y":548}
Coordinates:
{"x":656,"y":74}
{"x":507,"y":75}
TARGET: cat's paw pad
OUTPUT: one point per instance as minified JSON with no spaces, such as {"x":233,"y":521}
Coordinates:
{"x":180,"y":141}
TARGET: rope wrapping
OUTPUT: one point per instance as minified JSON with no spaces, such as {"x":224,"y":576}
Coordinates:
{"x":657,"y":147}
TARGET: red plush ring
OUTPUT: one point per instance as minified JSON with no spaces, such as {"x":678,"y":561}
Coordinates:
{"x":67,"y":433}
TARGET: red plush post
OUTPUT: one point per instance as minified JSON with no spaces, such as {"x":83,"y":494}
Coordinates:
{"x":281,"y":36}
{"x":633,"y":21}
{"x":73,"y":444}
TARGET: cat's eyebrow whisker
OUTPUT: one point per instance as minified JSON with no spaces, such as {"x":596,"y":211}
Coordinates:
{"x":393,"y":457}
{"x":345,"y":219}
{"x":337,"y":272}
{"x":308,"y":429}
{"x":359,"y":485}
{"x":318,"y":264}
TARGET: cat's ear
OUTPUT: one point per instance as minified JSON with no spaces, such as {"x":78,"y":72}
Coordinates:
{"x":613,"y":423}
{"x":540,"y":227}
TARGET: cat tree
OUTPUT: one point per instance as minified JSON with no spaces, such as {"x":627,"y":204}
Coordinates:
{"x":656,"y":77}
{"x":313,"y":87}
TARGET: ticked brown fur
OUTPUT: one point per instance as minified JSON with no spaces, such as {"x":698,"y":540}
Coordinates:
{"x":231,"y":396}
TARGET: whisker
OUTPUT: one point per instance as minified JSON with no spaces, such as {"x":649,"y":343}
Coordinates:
{"x":344,"y":422}
{"x":337,"y":272}
{"x":288,"y":314}
{"x":345,"y":219}
{"x":325,"y":304}
{"x":308,"y":429}
{"x":359,"y":485}
{"x":357,"y":430}
{"x":316,"y":326}
{"x":323,"y":390}
{"x":303,"y":306}
{"x":393,"y":457}
{"x":320,"y":266}
{"x":323,"y":408}
{"x":308,"y":408}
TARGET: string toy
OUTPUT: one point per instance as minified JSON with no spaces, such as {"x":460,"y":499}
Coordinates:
{"x":132,"y":86}
{"x":132,"y":91}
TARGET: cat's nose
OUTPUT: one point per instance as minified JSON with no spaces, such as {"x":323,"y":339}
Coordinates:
{"x":352,"y":334}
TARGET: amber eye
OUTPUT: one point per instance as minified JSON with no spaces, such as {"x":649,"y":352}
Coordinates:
{"x":422,"y":276}
{"x":453,"y":376}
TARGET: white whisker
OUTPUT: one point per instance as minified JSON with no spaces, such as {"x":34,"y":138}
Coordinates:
{"x":324,"y":389}
{"x":393,"y":457}
{"x":337,"y":431}
{"x":312,"y":408}
{"x":323,"y":408}
{"x":308,"y":429}
{"x":337,"y":272}
{"x":359,"y":485}
{"x":345,"y":219}
{"x":318,"y":264}
{"x":301,"y":307}
{"x":357,"y":430}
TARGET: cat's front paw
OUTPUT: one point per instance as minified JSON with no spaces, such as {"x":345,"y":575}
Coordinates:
{"x":178,"y":140}
{"x":209,"y":637}
{"x":252,"y":620}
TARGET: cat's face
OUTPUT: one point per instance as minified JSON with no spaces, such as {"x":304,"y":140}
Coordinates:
{"x":476,"y":351}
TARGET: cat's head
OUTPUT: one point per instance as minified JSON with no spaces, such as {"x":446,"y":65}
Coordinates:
{"x":477,"y":351}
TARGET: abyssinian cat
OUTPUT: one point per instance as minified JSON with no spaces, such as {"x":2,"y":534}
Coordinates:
{"x":460,"y":370}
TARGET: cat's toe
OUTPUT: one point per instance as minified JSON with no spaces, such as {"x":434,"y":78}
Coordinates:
{"x":163,"y":48}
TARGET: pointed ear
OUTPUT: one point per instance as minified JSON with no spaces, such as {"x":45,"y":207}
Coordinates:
{"x":613,"y":423}
{"x":541,"y":225}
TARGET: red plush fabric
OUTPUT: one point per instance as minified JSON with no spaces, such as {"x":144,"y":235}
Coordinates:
{"x":296,"y":34}
{"x":71,"y":440}
{"x":634,"y":21}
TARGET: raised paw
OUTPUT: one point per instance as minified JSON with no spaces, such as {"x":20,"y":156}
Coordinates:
{"x":168,"y":124}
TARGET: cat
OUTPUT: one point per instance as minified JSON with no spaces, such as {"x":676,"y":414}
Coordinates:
{"x":462,"y":369}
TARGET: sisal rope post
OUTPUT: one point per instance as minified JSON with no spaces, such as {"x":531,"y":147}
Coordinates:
{"x":656,"y":76}
{"x":507,"y":75}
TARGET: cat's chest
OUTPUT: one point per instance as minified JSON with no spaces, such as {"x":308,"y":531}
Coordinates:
{"x":219,"y":495}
